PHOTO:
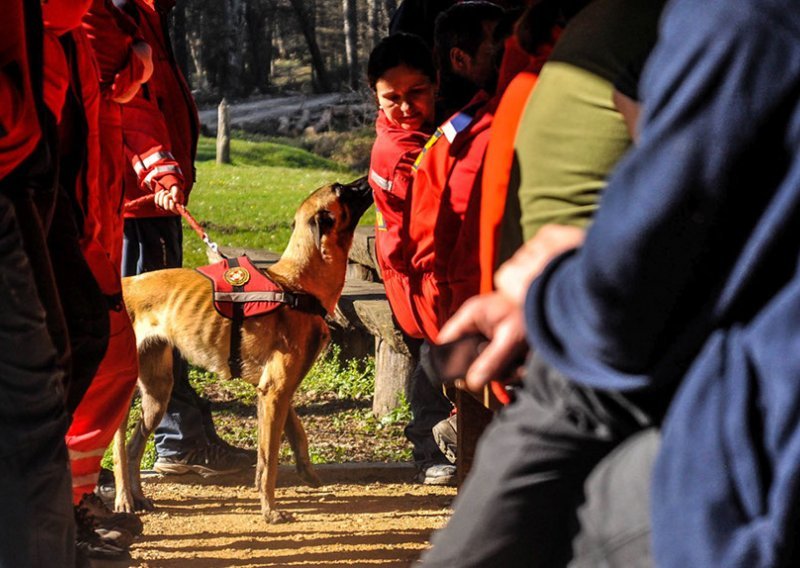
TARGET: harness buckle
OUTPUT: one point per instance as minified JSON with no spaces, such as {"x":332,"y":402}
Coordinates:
{"x":293,"y":300}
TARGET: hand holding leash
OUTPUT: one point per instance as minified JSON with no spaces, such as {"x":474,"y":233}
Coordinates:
{"x":181,"y":209}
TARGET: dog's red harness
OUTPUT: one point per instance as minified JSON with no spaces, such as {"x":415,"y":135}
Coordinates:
{"x":241,"y":290}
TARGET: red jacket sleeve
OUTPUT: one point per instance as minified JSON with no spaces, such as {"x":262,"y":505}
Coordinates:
{"x":19,"y":127}
{"x":147,"y":144}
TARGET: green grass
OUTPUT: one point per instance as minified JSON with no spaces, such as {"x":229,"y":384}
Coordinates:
{"x":352,"y":379}
{"x":251,"y":202}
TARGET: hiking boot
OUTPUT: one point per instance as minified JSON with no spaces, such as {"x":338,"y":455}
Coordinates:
{"x":89,"y":544}
{"x":445,"y":435}
{"x":208,"y":461}
{"x":107,"y":519}
{"x":439,"y":474}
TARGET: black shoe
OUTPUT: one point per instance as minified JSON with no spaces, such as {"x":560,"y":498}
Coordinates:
{"x":252,"y":455}
{"x":89,"y":544}
{"x":208,"y":461}
{"x":105,"y":518}
{"x":446,"y":437}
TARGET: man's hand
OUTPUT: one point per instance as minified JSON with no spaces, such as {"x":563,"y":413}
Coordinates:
{"x":500,"y":320}
{"x":499,"y":315}
{"x":168,"y":199}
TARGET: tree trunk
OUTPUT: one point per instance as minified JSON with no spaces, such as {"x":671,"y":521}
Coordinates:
{"x":317,"y":62}
{"x":234,"y":47}
{"x":390,"y":6}
{"x":374,"y":29}
{"x":259,"y":19}
{"x":180,"y":44}
{"x":350,"y":16}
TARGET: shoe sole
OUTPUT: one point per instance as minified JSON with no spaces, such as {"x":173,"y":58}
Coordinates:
{"x":448,"y":480}
{"x":180,"y":469}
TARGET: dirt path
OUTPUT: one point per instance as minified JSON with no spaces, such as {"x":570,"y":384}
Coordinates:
{"x":263,"y":114}
{"x":364,"y":516}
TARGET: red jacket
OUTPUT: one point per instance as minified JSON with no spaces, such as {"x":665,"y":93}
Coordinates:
{"x":445,"y":208}
{"x":390,"y":174}
{"x":445,"y":173}
{"x":19,"y":126}
{"x":112,"y":34}
{"x":160,"y":124}
{"x":91,"y":191}
{"x":77,"y":72}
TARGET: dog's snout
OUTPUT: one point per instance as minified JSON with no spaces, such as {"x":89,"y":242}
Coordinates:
{"x":357,"y":195}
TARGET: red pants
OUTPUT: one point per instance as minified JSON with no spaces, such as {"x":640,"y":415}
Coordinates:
{"x":102,"y":409}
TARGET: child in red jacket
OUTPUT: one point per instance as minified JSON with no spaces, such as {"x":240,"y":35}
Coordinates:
{"x":402,"y":75}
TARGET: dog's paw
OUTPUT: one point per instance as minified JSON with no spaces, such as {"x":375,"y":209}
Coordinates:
{"x":274,"y":517}
{"x":124,"y":506}
{"x":142,"y":503}
{"x":310,"y":477}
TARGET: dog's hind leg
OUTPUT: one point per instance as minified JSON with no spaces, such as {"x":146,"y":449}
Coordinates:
{"x":123,"y":500}
{"x":155,"y":384}
{"x":298,"y":441}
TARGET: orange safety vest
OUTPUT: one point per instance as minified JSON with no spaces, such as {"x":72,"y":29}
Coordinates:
{"x":499,"y":162}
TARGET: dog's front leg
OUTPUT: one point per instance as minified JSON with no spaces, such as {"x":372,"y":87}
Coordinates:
{"x":273,"y":407}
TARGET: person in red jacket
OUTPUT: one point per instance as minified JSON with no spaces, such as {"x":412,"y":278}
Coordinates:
{"x":36,"y":523}
{"x":161,"y":128}
{"x":123,"y":63}
{"x":99,"y":404}
{"x":446,"y":174}
{"x":402,"y":75}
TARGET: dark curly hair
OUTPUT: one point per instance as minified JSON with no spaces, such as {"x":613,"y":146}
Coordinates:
{"x":400,"y":49}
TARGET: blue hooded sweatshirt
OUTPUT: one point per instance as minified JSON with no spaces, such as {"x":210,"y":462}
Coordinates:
{"x":689,"y":277}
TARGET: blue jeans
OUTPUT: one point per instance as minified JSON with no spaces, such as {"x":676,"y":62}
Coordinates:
{"x":154,"y":243}
{"x":36,"y":518}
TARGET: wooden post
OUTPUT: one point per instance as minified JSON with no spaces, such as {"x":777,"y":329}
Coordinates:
{"x":473,"y":418}
{"x":393,"y":372}
{"x":223,"y":134}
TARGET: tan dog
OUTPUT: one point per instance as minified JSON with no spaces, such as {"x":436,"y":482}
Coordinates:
{"x":174,"y":308}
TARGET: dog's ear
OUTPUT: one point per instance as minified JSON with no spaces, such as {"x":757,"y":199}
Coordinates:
{"x":320,"y":224}
{"x":361,"y":184}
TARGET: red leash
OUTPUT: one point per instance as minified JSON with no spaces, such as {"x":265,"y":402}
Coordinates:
{"x":196,"y":227}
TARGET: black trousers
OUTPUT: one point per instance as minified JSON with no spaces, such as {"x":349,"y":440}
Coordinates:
{"x":36,"y":519}
{"x":518,"y":508}
{"x":429,"y":406}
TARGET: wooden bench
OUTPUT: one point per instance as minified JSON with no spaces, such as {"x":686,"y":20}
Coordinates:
{"x":362,"y":323}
